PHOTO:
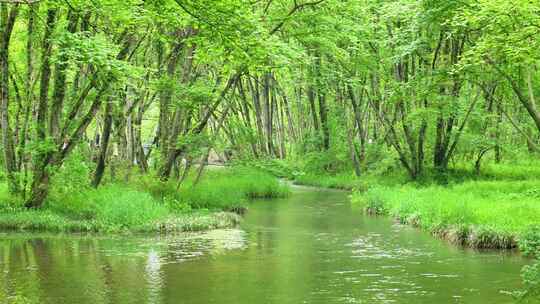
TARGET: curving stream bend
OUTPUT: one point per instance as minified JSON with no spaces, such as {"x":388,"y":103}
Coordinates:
{"x":312,"y":247}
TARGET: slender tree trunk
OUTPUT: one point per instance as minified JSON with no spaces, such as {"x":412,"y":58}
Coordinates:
{"x":281,"y":132}
{"x":323,"y":113}
{"x":176,"y":128}
{"x":254,"y":88}
{"x":104,"y":144}
{"x":498,"y":153}
{"x":311,"y":98}
{"x":6,"y":28}
{"x":356,"y":105}
{"x":141,"y":157}
{"x":290,"y":121}
{"x":268,"y":113}
{"x":165,"y":101}
{"x":244,"y":108}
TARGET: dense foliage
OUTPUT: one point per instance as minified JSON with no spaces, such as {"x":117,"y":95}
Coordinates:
{"x":157,"y":86}
{"x":147,"y":93}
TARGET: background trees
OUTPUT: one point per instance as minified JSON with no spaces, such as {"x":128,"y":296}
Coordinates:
{"x":155,"y":86}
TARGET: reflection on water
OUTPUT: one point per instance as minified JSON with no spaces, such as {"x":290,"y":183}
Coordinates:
{"x":310,"y":248}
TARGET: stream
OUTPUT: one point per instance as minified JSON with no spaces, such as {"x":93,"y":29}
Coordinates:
{"x":312,"y":247}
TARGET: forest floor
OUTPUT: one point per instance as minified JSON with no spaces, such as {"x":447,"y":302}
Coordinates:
{"x":144,"y":204}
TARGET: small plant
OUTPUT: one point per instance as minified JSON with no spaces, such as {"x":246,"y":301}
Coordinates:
{"x":530,"y":275}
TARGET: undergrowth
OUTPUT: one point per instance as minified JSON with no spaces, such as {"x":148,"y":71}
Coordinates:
{"x":143,"y":204}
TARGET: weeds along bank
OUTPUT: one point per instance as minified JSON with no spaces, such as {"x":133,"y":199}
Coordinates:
{"x":144,"y":204}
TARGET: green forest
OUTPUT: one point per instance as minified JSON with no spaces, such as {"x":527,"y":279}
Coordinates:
{"x":175,"y":117}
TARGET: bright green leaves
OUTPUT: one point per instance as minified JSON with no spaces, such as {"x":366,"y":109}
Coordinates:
{"x":508,"y":30}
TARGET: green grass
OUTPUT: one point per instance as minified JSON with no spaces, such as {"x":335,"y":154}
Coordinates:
{"x":483,"y":214}
{"x":340,"y":181}
{"x":145,"y":204}
{"x":228,"y":189}
{"x":457,"y":174}
{"x":121,"y":216}
{"x":223,"y":189}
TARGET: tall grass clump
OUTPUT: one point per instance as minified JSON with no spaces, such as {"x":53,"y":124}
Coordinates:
{"x":230,"y":188}
{"x":119,"y":208}
{"x":143,"y":204}
{"x":219,"y":189}
{"x":110,"y":208}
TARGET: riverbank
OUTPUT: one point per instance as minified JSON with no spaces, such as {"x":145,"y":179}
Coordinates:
{"x":478,"y":214}
{"x":144,"y":204}
{"x":494,"y":210}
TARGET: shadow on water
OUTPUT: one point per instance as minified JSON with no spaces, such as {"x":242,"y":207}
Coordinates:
{"x":312,"y":247}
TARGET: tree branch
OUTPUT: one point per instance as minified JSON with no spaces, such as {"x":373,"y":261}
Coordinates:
{"x":296,"y":8}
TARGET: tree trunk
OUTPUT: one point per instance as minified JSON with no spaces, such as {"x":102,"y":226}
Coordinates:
{"x":323,"y":114}
{"x":10,"y":163}
{"x":40,"y":185}
{"x":104,"y":144}
{"x":254,"y":88}
{"x":244,"y":108}
{"x":311,"y":98}
{"x":268,"y":113}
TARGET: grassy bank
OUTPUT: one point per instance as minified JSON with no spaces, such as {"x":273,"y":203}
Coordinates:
{"x":492,"y":210}
{"x":144,"y":204}
{"x":480,"y":214}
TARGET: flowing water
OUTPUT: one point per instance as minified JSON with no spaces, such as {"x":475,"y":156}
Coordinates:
{"x":312,"y":247}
